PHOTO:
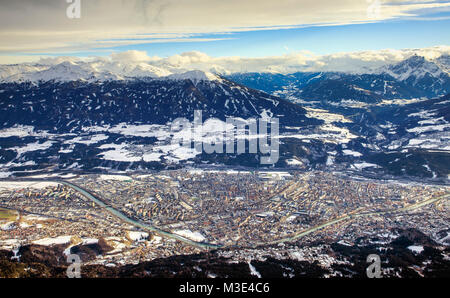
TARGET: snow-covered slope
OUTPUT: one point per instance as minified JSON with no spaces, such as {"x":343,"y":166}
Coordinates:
{"x":414,"y":77}
{"x":444,"y":63}
{"x":14,"y":72}
{"x":99,"y":70}
{"x":415,"y":67}
{"x":195,"y":76}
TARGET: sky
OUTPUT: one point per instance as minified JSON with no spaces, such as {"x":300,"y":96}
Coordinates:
{"x":32,"y":29}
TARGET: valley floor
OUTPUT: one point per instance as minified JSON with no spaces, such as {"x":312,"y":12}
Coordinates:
{"x":242,"y":216}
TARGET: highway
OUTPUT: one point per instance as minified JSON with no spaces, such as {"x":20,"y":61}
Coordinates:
{"x":187,"y":241}
{"x":287,"y":239}
{"x":362,"y":214}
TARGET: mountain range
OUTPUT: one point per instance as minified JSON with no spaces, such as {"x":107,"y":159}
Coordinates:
{"x":415,"y":77}
{"x":113,"y":116}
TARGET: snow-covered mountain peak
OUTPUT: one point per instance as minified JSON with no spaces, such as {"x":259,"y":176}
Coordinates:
{"x":444,"y":63}
{"x":99,"y":70}
{"x":415,"y":67}
{"x":195,"y":76}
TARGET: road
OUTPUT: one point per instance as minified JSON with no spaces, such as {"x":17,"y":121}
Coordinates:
{"x":134,"y":222}
{"x":362,"y":214}
{"x":296,"y":236}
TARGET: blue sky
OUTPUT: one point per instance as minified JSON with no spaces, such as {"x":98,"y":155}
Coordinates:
{"x":247,"y":28}
{"x":394,"y":34}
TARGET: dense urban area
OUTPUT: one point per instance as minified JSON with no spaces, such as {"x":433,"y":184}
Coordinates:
{"x":129,"y":219}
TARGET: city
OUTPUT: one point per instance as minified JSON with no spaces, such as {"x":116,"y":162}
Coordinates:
{"x":210,"y":209}
{"x":210,"y":147}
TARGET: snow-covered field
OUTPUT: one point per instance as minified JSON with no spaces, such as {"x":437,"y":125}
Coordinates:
{"x":351,"y":152}
{"x":22,"y":131}
{"x":137,"y":236}
{"x":326,"y":116}
{"x":115,"y":177}
{"x":7,"y":185}
{"x":363,"y":165}
{"x":36,"y":146}
{"x":195,"y":236}
{"x":87,"y":140}
{"x":52,"y":241}
{"x":416,"y":248}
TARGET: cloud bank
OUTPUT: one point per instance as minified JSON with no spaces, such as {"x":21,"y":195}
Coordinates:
{"x":139,"y":62}
{"x":356,"y":62}
{"x":30,"y":27}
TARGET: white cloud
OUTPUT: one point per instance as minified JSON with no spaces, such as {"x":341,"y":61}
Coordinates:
{"x":356,"y":62}
{"x":130,"y":56}
{"x":29,"y":26}
{"x":365,"y":61}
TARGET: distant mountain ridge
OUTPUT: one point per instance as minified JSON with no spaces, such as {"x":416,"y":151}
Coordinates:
{"x":414,"y":77}
{"x":67,"y":71}
{"x":107,"y":116}
{"x":70,"y":69}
